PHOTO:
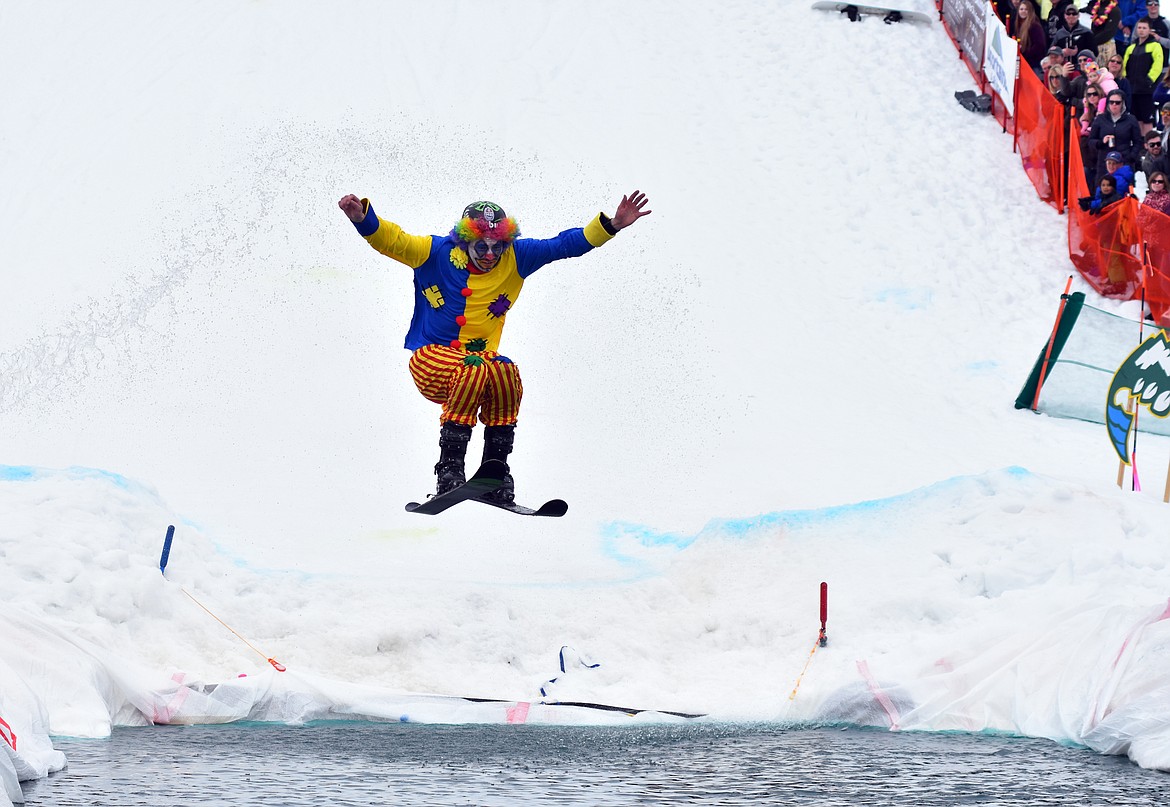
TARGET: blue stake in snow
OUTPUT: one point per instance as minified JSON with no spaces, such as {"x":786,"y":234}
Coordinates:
{"x":162,"y":564}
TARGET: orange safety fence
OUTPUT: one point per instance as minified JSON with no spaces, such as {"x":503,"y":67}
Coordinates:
{"x":1105,"y":248}
{"x":1124,"y":251}
{"x":1040,"y":136}
{"x":1155,"y":230}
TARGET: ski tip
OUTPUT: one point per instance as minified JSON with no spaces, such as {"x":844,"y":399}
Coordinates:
{"x":554,"y":509}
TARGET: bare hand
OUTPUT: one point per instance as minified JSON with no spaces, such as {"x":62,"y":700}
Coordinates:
{"x":352,"y":206}
{"x":630,"y":210}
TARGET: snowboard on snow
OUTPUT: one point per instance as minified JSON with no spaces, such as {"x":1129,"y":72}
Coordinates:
{"x":488,"y":479}
{"x":889,"y":15}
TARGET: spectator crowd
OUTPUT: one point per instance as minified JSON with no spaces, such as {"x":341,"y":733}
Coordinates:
{"x":1107,"y":62}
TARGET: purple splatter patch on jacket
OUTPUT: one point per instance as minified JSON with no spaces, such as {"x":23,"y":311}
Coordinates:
{"x":499,"y":306}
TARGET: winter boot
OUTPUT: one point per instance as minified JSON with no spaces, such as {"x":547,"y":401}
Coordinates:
{"x":450,"y":472}
{"x":497,"y":445}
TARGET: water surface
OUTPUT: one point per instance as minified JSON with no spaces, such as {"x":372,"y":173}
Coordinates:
{"x":706,"y":764}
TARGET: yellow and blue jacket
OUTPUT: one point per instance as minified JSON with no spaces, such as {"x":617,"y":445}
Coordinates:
{"x":460,"y":308}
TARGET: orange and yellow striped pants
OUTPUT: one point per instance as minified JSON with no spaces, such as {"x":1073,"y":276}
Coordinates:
{"x":490,"y":388}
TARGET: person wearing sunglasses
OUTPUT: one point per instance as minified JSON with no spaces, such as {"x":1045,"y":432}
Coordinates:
{"x":1157,"y":21}
{"x":1070,"y":36}
{"x":1153,"y":158}
{"x":1095,"y":75}
{"x":1076,"y":72}
{"x":1115,"y":132}
{"x":465,"y":284}
{"x":1060,"y":88}
{"x":1157,"y":197}
{"x":1093,"y":96}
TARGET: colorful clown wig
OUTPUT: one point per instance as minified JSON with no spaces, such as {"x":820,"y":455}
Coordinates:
{"x":484,"y":220}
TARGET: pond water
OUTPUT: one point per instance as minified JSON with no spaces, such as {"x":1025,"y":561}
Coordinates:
{"x":382,"y":764}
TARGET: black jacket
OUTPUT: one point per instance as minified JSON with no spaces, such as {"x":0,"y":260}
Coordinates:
{"x":1138,"y":64}
{"x":1128,"y":140}
{"x":1103,"y":32}
{"x":1078,"y":38}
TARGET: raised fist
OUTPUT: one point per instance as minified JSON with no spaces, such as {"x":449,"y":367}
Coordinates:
{"x":352,"y":207}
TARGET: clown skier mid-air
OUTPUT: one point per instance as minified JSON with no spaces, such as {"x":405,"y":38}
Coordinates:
{"x":465,"y":284}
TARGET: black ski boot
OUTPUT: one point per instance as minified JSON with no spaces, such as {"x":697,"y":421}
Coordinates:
{"x":497,"y":445}
{"x":450,"y":471}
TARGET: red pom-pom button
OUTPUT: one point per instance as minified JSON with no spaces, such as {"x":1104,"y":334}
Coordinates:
{"x":466,"y":292}
{"x":460,"y":320}
{"x":455,"y":343}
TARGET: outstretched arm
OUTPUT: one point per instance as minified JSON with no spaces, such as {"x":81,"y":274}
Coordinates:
{"x":352,"y":207}
{"x":533,"y":253}
{"x":385,"y":236}
{"x":630,"y":210}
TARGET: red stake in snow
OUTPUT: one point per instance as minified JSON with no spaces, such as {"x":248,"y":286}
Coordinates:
{"x":823,"y":639}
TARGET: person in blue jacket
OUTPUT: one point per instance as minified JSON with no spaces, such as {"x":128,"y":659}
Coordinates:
{"x":465,"y":285}
{"x":1106,"y":194}
{"x":1112,"y":186}
{"x":1131,"y":12}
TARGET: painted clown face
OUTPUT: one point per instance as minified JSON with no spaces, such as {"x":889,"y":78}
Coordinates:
{"x":485,"y":253}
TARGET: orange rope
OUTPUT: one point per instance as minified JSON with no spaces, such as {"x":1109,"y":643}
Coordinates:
{"x":276,"y":664}
{"x":800,"y":677}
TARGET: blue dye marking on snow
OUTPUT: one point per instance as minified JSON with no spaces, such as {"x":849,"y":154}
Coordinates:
{"x":908,"y":299}
{"x":24,"y":473}
{"x":983,"y":366}
{"x":617,"y":536}
{"x":99,"y":473}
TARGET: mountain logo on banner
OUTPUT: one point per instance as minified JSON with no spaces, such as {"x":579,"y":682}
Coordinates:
{"x":1143,"y":379}
{"x":999,"y":61}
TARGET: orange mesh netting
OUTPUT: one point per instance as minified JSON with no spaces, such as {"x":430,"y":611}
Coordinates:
{"x":1039,"y":124}
{"x":1155,"y":230}
{"x":1106,"y":248}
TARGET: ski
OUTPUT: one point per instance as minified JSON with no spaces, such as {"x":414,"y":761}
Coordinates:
{"x":488,"y":478}
{"x":554,"y":508}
